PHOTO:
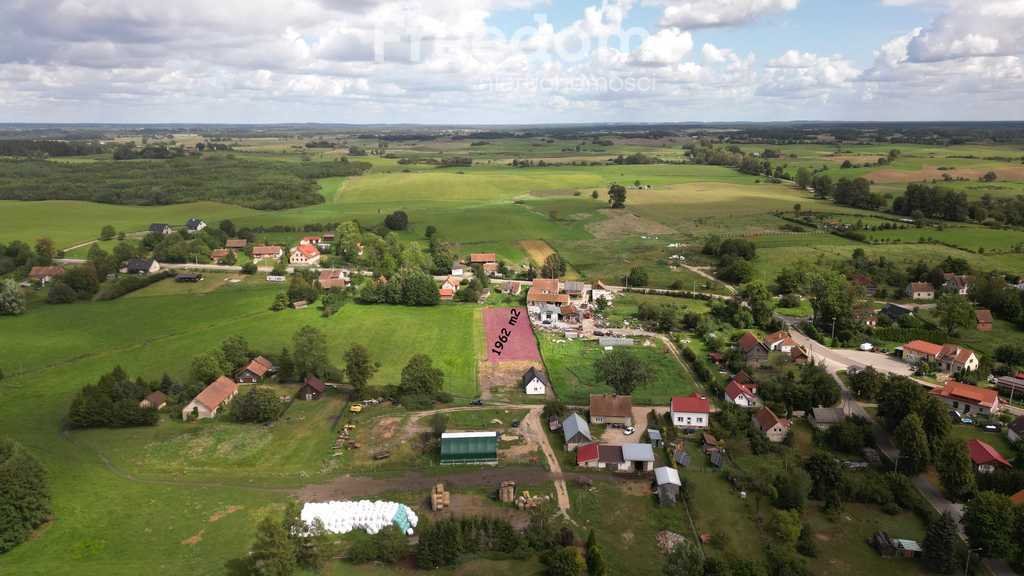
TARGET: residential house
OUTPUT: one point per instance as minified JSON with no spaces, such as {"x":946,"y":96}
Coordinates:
{"x":208,"y":402}
{"x":469,"y":448}
{"x":548,"y":313}
{"x":919,"y":351}
{"x":958,"y":284}
{"x":1015,"y":431}
{"x":799,"y":356}
{"x":895,"y":311}
{"x":512,"y":288}
{"x":611,"y":409}
{"x":333,"y":278}
{"x":755,"y":353}
{"x":968,"y":399}
{"x":823,"y":418}
{"x":161,"y":229}
{"x":740,"y":395}
{"x":236,"y":244}
{"x":156,"y":400}
{"x":446,"y":294}
{"x":774,"y":428}
{"x":255,"y":371}
{"x":666,"y":481}
{"x":984,"y":457}
{"x":691,"y":412}
{"x":458,"y":269}
{"x":954,"y":359}
{"x":43,"y":275}
{"x":488,"y":261}
{"x":219,"y":254}
{"x":312,"y":388}
{"x":451,"y":283}
{"x":535,"y":383}
{"x":920,"y":291}
{"x":780,"y":342}
{"x":865,"y":282}
{"x":984,"y":320}
{"x":267,"y":252}
{"x":596,"y":455}
{"x":304,"y":255}
{"x":576,"y":432}
{"x":195,"y":225}
{"x":866,"y":317}
{"x":141,"y":266}
{"x":311,"y":241}
{"x":544,"y":291}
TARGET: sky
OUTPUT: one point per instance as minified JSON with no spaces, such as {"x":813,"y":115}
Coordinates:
{"x":510,"y":61}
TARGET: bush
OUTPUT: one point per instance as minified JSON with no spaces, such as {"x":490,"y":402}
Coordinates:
{"x":61,"y":293}
{"x":113,"y":402}
{"x":389,"y":546}
{"x":259,"y":404}
{"x":397,"y":220}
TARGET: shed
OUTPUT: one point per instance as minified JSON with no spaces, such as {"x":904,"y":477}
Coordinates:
{"x":469,"y":448}
{"x":576,"y":431}
{"x":655,"y":437}
{"x":637,"y":457}
{"x":312,"y":389}
{"x":667,"y":482}
{"x":683,"y":458}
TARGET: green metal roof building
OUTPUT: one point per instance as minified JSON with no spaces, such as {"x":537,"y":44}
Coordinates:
{"x":469,"y":448}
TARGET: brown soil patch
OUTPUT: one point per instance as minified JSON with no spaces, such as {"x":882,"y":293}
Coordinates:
{"x":929,"y":173}
{"x":222,"y":513}
{"x":386,"y":428}
{"x":537,"y":250}
{"x":627,"y":536}
{"x":194,"y":539}
{"x":637,"y":488}
{"x":620,"y":222}
{"x":822,"y":537}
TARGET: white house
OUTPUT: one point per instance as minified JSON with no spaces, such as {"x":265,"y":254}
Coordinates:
{"x":535,"y":383}
{"x":691,"y":412}
{"x":305,"y":255}
{"x":195,"y":225}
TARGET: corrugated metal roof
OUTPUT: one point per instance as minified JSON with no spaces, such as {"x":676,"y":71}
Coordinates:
{"x":637,"y":453}
{"x":667,"y":475}
{"x":573,"y":425}
{"x":469,"y":447}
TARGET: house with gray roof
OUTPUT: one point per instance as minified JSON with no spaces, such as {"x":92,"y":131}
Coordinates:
{"x":576,"y":431}
{"x":667,"y":482}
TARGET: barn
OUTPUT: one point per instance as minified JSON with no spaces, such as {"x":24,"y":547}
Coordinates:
{"x":469,"y":448}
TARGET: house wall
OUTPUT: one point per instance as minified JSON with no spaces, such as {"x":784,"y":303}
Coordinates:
{"x":967,"y":408}
{"x":535,"y":388}
{"x":690,"y":420}
{"x":624,"y":420}
{"x":202,"y":412}
{"x":777,"y":433}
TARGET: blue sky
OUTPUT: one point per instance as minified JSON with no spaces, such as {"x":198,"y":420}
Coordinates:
{"x":434,"y":62}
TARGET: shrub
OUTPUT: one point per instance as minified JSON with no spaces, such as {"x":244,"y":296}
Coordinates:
{"x":24,"y":496}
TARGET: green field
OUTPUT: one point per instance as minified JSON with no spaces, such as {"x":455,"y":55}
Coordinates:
{"x":570,"y":366}
{"x":973,"y":238}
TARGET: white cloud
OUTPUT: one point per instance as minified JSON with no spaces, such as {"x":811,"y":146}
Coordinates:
{"x":688,"y":14}
{"x":668,"y":46}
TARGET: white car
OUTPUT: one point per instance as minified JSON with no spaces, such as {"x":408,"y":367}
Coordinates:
{"x":629,"y":431}
{"x":867,"y":347}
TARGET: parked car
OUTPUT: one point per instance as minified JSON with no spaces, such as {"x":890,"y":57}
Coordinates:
{"x":515,"y":423}
{"x":477,"y":402}
{"x":967,"y":420}
{"x":867,"y":347}
{"x":629,"y":431}
{"x":991,"y":427}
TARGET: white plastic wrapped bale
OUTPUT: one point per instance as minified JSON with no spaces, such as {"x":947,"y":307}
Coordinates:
{"x":370,"y":516}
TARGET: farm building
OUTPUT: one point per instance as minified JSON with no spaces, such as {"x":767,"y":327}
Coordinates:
{"x":576,"y":431}
{"x":968,"y":399}
{"x":469,"y":448}
{"x":691,"y":412}
{"x":889,"y":547}
{"x":984,"y":457}
{"x":195,"y":225}
{"x":984,"y":320}
{"x":267,"y":252}
{"x":619,"y":458}
{"x":333,"y":278}
{"x":304,"y":255}
{"x":236,"y":244}
{"x":824,"y":418}
{"x":156,"y":400}
{"x":188,"y":277}
{"x":535,"y":383}
{"x":611,"y":409}
{"x":161,"y":229}
{"x":43,"y":275}
{"x":312,"y":389}
{"x":488,"y":261}
{"x":254,"y":372}
{"x":209,"y":401}
{"x":666,"y":480}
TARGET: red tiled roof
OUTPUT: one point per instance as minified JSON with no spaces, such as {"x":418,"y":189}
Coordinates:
{"x":257,"y":367}
{"x":982,"y":453}
{"x":40,"y":272}
{"x":545,"y":285}
{"x":958,"y":354}
{"x":921,"y":287}
{"x":217,"y":392}
{"x":983,"y":316}
{"x":219,"y":253}
{"x":258,"y":251}
{"x":610,"y":405}
{"x":983,"y":396}
{"x":156,"y":399}
{"x":694,"y":403}
{"x":748,"y":342}
{"x":766,"y":419}
{"x":922,"y":347}
{"x":587,"y":453}
{"x":734,"y":390}
{"x":315,"y":383}
{"x":1017,"y":498}
{"x":534,"y":296}
{"x":483,"y":257}
{"x":743,"y":378}
{"x":236,"y":243}
{"x":307,"y":250}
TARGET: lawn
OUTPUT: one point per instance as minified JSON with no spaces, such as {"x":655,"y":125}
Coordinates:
{"x":973,"y":238}
{"x":483,"y":419}
{"x":842,"y":542}
{"x":570,"y":367}
{"x":625,"y":306}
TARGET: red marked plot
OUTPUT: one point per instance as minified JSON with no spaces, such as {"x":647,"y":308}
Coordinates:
{"x":509,"y":335}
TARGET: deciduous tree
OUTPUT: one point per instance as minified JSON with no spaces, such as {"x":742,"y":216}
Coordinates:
{"x":622,"y":370}
{"x":617,"y":196}
{"x":956,"y":471}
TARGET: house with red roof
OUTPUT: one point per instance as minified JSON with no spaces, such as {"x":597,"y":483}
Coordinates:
{"x":920,"y":291}
{"x":984,"y":320}
{"x":487,"y":260}
{"x":780,"y":342}
{"x":755,"y":352}
{"x":691,"y":412}
{"x":267,"y":252}
{"x":208,"y":402}
{"x":955,"y":359}
{"x":742,"y":391}
{"x":446,"y":294}
{"x":984,"y":457}
{"x":304,"y":255}
{"x":968,"y":399}
{"x":43,"y":275}
{"x":918,"y":351}
{"x":774,"y":428}
{"x":255,"y":371}
{"x":312,"y":389}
